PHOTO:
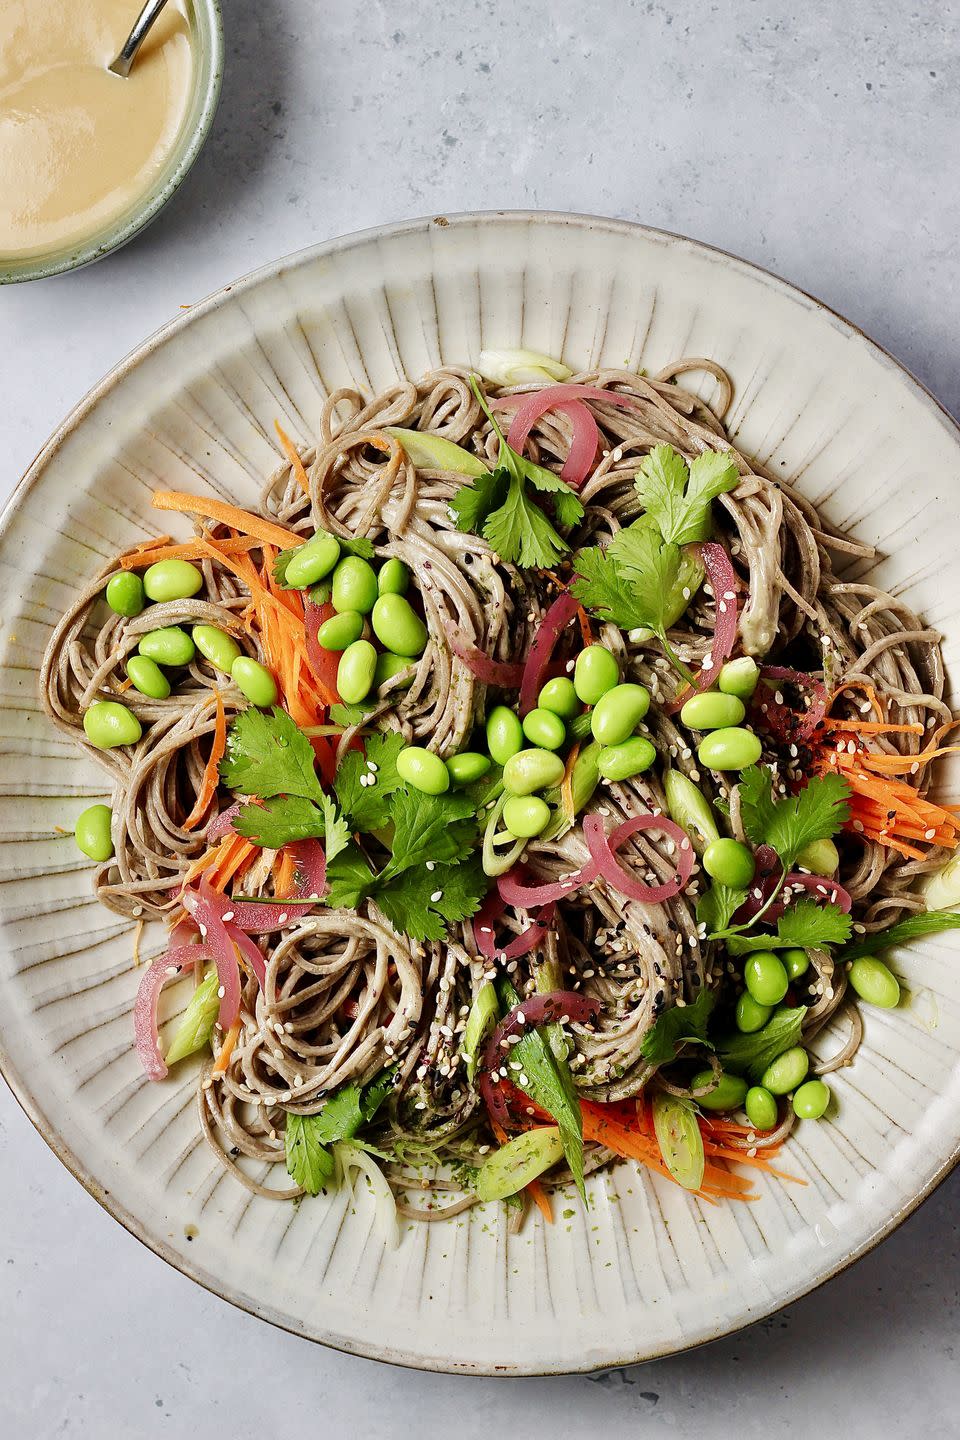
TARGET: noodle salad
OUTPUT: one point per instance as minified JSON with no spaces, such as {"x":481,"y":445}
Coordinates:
{"x":524,"y":786}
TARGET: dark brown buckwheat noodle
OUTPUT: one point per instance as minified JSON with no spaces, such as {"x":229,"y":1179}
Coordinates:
{"x":346,"y":995}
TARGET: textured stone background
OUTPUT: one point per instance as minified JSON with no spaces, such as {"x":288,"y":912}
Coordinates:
{"x":818,"y":140}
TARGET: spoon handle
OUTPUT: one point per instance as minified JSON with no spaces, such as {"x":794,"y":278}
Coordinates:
{"x":142,"y":24}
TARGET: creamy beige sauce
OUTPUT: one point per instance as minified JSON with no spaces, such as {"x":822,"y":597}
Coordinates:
{"x":78,"y":145}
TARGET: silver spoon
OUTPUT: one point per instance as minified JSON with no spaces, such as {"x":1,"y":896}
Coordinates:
{"x":149,"y":13}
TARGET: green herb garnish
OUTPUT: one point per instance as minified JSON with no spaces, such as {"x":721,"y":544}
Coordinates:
{"x":678,"y":496}
{"x":675,"y":1026}
{"x":914,"y":927}
{"x":753,"y":1053}
{"x":309,"y":1161}
{"x":817,"y":812}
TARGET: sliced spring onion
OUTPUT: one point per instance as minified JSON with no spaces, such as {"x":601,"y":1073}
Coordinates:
{"x":197,"y":1021}
{"x":484,"y":1013}
{"x":350,"y":1157}
{"x":521,"y":1160}
{"x":691,"y":809}
{"x":520,"y":367}
{"x":432,"y":452}
{"x":679,"y":1138}
{"x":942,"y":890}
{"x":583,"y":781}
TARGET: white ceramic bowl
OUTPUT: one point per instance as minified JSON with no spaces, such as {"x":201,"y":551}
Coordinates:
{"x":648,"y":1270}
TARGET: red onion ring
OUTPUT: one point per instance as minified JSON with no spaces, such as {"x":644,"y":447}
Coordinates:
{"x":222,"y":824}
{"x":146,"y":1034}
{"x":602,"y":849}
{"x":803,"y":681}
{"x":532,"y":897}
{"x":819,"y":886}
{"x":556,"y":619}
{"x":546,"y":1009}
{"x":259,"y":918}
{"x":483,"y":932}
{"x":204,"y":905}
{"x":504,"y":673}
{"x":586,"y":432}
{"x":724,"y":582}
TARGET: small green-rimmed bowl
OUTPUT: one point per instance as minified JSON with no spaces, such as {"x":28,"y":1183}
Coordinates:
{"x":206,"y":26}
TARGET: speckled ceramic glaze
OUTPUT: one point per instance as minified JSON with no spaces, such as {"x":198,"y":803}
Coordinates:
{"x":646,"y":1270}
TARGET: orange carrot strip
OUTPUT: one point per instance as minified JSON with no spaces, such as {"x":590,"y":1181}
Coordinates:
{"x":872,"y":727}
{"x":285,"y":875}
{"x":541,"y":1199}
{"x":293,"y":455}
{"x":211,"y":774}
{"x":189,"y":550}
{"x":226,"y":1049}
{"x":212,"y":509}
{"x":203,"y":862}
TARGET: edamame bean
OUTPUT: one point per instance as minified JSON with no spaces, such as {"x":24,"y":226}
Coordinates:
{"x":147,"y":677}
{"x":531,"y":770}
{"x":691,"y":809}
{"x":595,"y":672}
{"x":526,"y":815}
{"x":727,"y":1094}
{"x":632,"y":757}
{"x":398,"y":626}
{"x":874,"y":982}
{"x":255,"y":681}
{"x":820,"y":857}
{"x":751,"y":1016}
{"x":545,"y":729}
{"x":504,"y":734}
{"x":92,"y":832}
{"x":712,"y":711}
{"x":618,"y":713}
{"x":730,"y":863}
{"x":559,"y":696}
{"x":354,"y":585}
{"x":761,"y":1108}
{"x":739,"y":677}
{"x":389,"y":665}
{"x":729,"y":749}
{"x":355,"y":673}
{"x":125,"y":594}
{"x":811,"y":1100}
{"x":394,"y":577}
{"x":108,"y":723}
{"x":765,"y":977}
{"x":312,"y":561}
{"x":795,"y":963}
{"x":340,"y":630}
{"x":423,"y":770}
{"x":216,"y":646}
{"x":786,"y":1072}
{"x":172,"y":580}
{"x":468,"y":766}
{"x":170,"y":646}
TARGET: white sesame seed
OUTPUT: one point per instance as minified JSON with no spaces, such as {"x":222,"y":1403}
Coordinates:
{"x":437,"y":895}
{"x":227,"y":916}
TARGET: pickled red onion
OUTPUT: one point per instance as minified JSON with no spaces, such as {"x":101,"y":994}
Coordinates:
{"x":260,"y":917}
{"x":491,"y":672}
{"x":531,"y":897}
{"x":556,"y":619}
{"x":547,"y":1009}
{"x":483,"y":932}
{"x":147,"y":1037}
{"x":724,"y":583}
{"x":586,"y":432}
{"x":602,"y":849}
{"x":803,"y":681}
{"x":206,"y":907}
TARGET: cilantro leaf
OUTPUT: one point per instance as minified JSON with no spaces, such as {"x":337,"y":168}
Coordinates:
{"x":356,"y":545}
{"x":753,"y":1053}
{"x":408,"y":903}
{"x":306,"y":1137}
{"x":308,"y":1163}
{"x":268,"y":755}
{"x":280,"y":820}
{"x":426,"y":828}
{"x":816,"y":813}
{"x":914,"y":927}
{"x":676,"y":1025}
{"x":349,"y":879}
{"x":368,"y":805}
{"x":568,"y":507}
{"x":347,"y":715}
{"x":805,"y":926}
{"x":520,"y":533}
{"x":473,"y":503}
{"x":718,"y":905}
{"x":678,"y":496}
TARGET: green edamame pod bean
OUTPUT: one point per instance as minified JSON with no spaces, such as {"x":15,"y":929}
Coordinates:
{"x":595,"y":672}
{"x":526,"y":815}
{"x":313,"y":561}
{"x":147,"y":677}
{"x":820,"y":857}
{"x":811,"y":1100}
{"x":739,"y":677}
{"x":730,"y":863}
{"x":423,"y":770}
{"x":765,"y":977}
{"x":631,"y":757}
{"x":125,"y":594}
{"x":559,"y":696}
{"x":389,"y":665}
{"x":712,"y":711}
{"x":761,"y":1108}
{"x":795,"y":962}
{"x":468,"y":766}
{"x":545,"y":729}
{"x":255,"y":681}
{"x":729,"y":749}
{"x":170,"y":646}
{"x":786,"y":1072}
{"x":340,"y":630}
{"x":874,"y":982}
{"x":108,"y":723}
{"x":172,"y":580}
{"x":751,"y":1015}
{"x":618,"y":713}
{"x":356,"y":671}
{"x":531,"y":770}
{"x":216,"y":646}
{"x":398,"y":626}
{"x":727,"y":1094}
{"x":691,"y":809}
{"x":355,"y":586}
{"x":92,"y":832}
{"x":394,"y":577}
{"x":504,"y":734}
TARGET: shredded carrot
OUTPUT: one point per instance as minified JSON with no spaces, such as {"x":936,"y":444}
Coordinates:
{"x":211,"y":774}
{"x":235,"y":857}
{"x":189,"y":550}
{"x":871,"y":727}
{"x":124,"y":685}
{"x":284,"y":874}
{"x":203,"y":862}
{"x":225,"y":514}
{"x":226,"y":1049}
{"x":293,"y":455}
{"x":885,"y":808}
{"x":541,"y":1199}
{"x":151,"y":544}
{"x":865,"y":688}
{"x":586,"y":629}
